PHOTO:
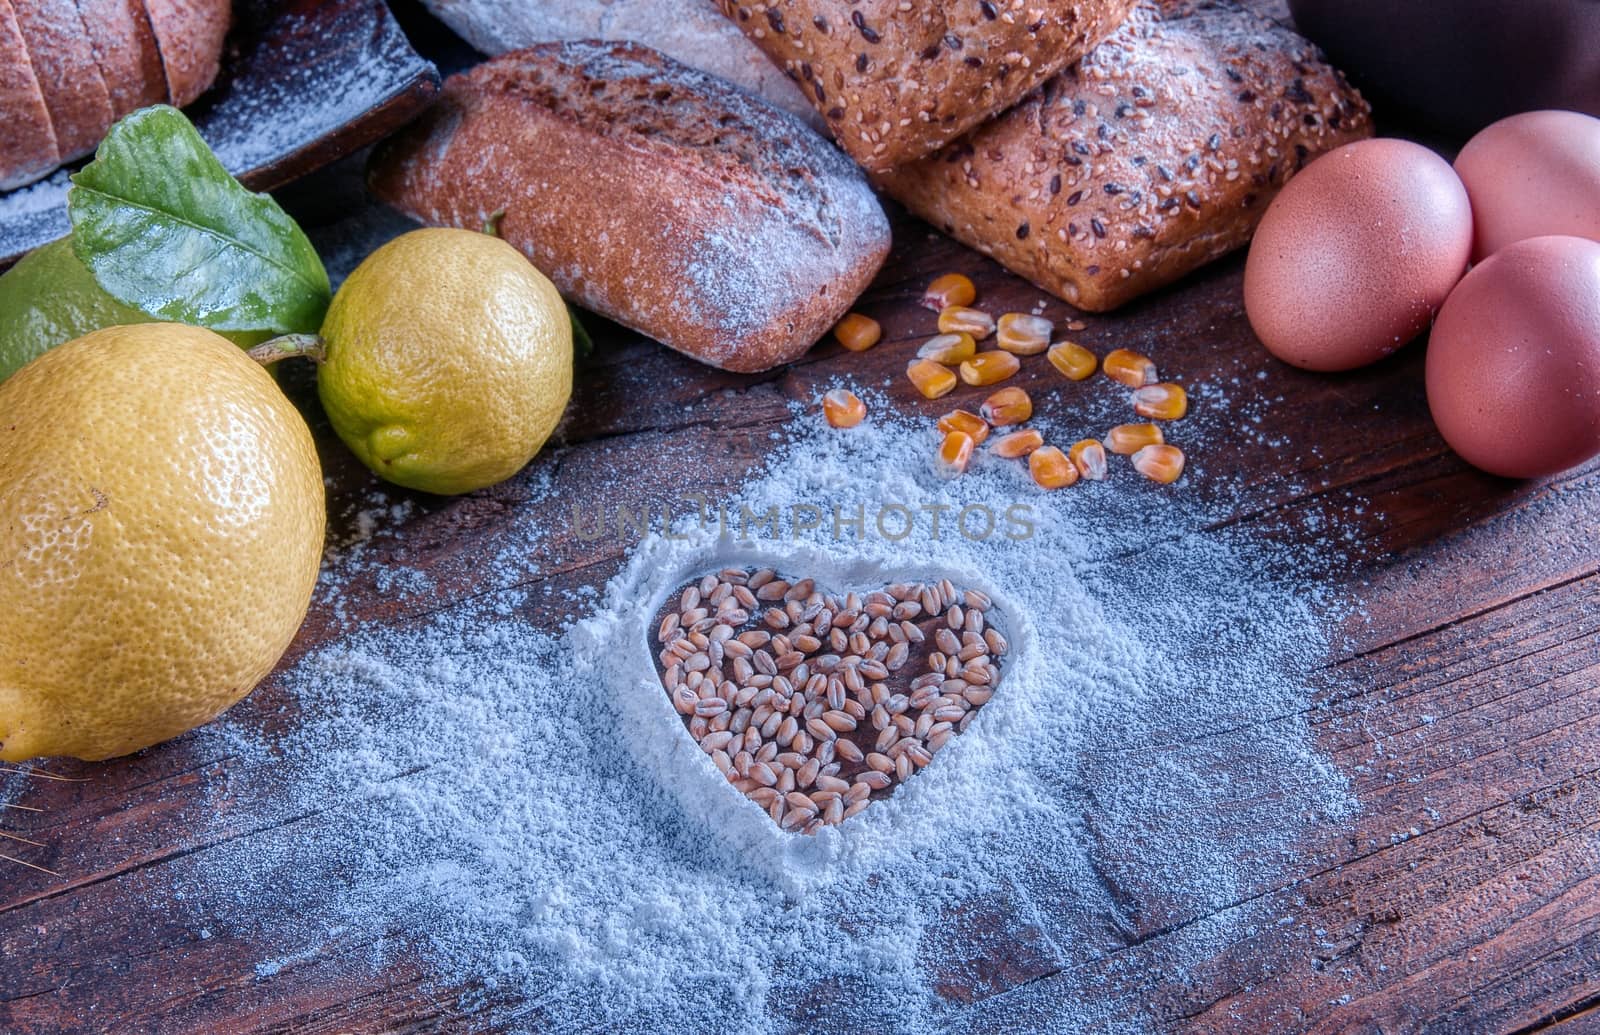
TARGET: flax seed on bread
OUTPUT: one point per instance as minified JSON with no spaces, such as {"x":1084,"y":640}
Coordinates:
{"x":652,"y":193}
{"x":896,"y":80}
{"x":1154,"y":155}
{"x":28,"y":144}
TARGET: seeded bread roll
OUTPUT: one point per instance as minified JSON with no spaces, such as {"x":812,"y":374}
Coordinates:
{"x":896,"y":81}
{"x":189,"y":34}
{"x":652,"y":193}
{"x":74,"y":91}
{"x":1156,"y":154}
{"x":125,"y":49}
{"x":27,"y":143}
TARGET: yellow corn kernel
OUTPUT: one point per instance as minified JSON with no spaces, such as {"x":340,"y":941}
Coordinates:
{"x":1051,"y":469}
{"x":1164,"y":401}
{"x":1018,"y":443}
{"x":932,"y":379}
{"x":1129,"y":367}
{"x":1159,"y":463}
{"x":948,"y":290}
{"x":1127,"y":439}
{"x":843,"y":409}
{"x":1024,"y":334}
{"x":987,"y":368}
{"x":1007,"y":406}
{"x":958,"y":319}
{"x":974,"y":426}
{"x":1089,"y":457}
{"x":954,"y":453}
{"x":948,"y":349}
{"x":1073,"y":360}
{"x":857,"y":333}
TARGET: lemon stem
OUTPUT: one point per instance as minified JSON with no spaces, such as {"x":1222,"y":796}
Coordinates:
{"x":491,"y":225}
{"x":290,"y":346}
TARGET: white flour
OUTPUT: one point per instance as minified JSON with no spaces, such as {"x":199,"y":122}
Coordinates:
{"x":522,"y":811}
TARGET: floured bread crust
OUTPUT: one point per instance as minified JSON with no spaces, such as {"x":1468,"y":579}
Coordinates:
{"x":652,"y":193}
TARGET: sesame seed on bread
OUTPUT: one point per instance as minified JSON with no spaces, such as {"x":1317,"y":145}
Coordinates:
{"x":1154,"y":155}
{"x":898,"y":80}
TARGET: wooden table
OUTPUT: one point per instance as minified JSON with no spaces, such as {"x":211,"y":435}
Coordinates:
{"x":1468,"y":709}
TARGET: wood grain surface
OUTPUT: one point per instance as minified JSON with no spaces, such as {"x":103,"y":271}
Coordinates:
{"x":1464,"y":896}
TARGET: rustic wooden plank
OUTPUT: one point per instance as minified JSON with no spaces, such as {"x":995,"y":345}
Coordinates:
{"x":446,"y":539}
{"x":1464,"y":896}
{"x":1546,"y":634}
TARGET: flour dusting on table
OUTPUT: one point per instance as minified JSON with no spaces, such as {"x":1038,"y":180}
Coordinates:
{"x":523,"y":813}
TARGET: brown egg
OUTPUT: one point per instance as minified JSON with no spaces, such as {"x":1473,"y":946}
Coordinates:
{"x":1514,"y":359}
{"x":1356,"y":253}
{"x":1532,"y":175}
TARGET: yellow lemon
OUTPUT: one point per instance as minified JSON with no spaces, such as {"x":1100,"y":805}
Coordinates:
{"x":448,"y":360}
{"x":161,"y":524}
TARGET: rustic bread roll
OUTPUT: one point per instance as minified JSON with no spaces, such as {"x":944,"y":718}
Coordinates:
{"x":1156,"y":154}
{"x":27,"y":143}
{"x":83,"y":64}
{"x":691,"y":31}
{"x":74,"y":91}
{"x":125,"y":49}
{"x":652,"y":193}
{"x":189,"y":34}
{"x":896,"y":80}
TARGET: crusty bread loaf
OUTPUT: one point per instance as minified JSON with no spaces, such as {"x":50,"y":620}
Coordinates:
{"x":190,"y":35}
{"x":652,"y":193}
{"x":1156,"y":154}
{"x":27,"y":143}
{"x":63,"y":60}
{"x":125,"y":49}
{"x":693,"y":32}
{"x":70,"y":68}
{"x":896,"y":80}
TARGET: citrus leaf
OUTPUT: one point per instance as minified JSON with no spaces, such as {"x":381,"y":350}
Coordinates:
{"x":164,"y":228}
{"x":582,"y":344}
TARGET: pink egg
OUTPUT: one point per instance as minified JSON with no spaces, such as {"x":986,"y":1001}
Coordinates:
{"x":1514,"y":359}
{"x":1532,"y":175}
{"x":1356,"y":253}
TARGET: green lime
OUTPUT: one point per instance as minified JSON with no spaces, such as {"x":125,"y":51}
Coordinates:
{"x":50,"y":297}
{"x":448,"y":361}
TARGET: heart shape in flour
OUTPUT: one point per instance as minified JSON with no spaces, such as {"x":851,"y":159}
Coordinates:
{"x":814,"y":705}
